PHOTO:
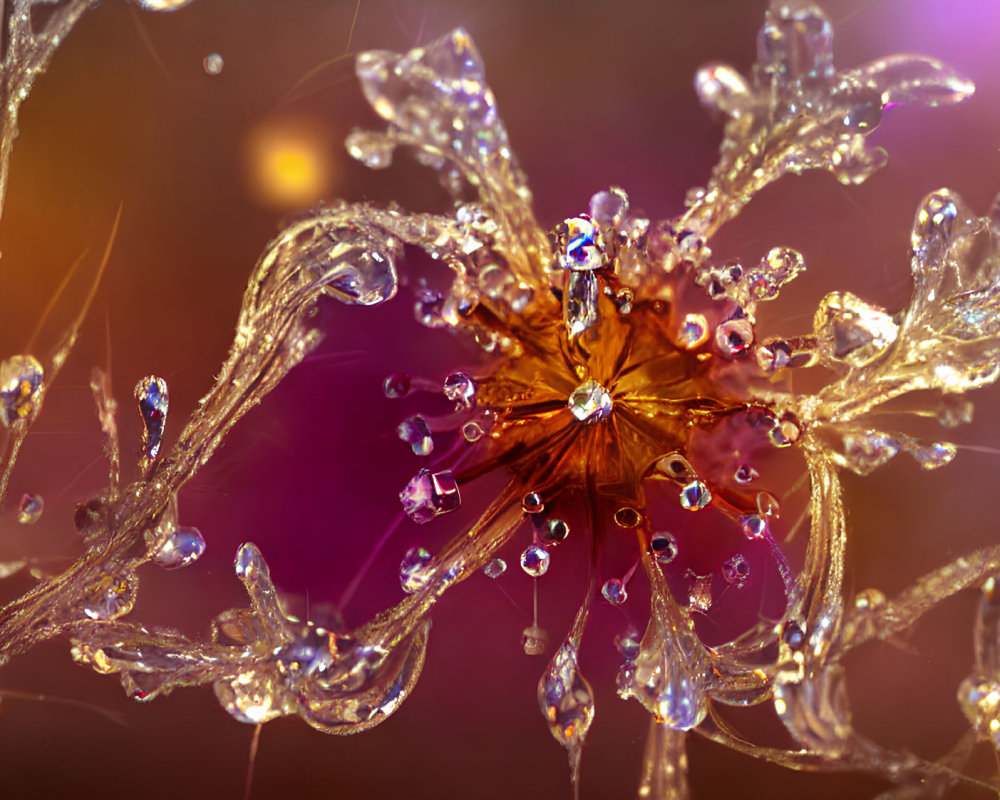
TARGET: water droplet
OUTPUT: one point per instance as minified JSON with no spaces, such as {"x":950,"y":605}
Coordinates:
{"x":664,"y":547}
{"x":793,"y":636}
{"x":590,"y":402}
{"x":183,"y":546}
{"x":534,"y":640}
{"x":495,"y":568}
{"x":580,"y":302}
{"x":248,"y":560}
{"x":414,"y":571}
{"x":460,"y":389}
{"x":535,"y":561}
{"x":153,"y":401}
{"x":30,"y":509}
{"x":745,"y":473}
{"x":567,"y":702}
{"x":417,"y":434}
{"x":736,"y":571}
{"x":614,"y":591}
{"x":627,"y":517}
{"x":579,"y":244}
{"x":532,"y":503}
{"x":213,"y":64}
{"x":554,"y":531}
{"x":693,"y":332}
{"x":667,"y":681}
{"x":721,"y":88}
{"x":429,"y":494}
{"x":20,"y":388}
{"x":609,"y":208}
{"x":472,"y":431}
{"x":695,"y":496}
{"x":249,"y":697}
{"x":110,"y":597}
{"x":734,"y":336}
{"x":755,"y":526}
{"x":397,"y":385}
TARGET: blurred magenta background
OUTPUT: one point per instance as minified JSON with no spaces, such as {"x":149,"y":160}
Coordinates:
{"x":593,"y":95}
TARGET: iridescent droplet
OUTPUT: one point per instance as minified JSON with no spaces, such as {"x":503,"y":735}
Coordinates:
{"x":554,"y":531}
{"x":397,"y":385}
{"x":495,"y":568}
{"x":414,"y":571}
{"x":213,"y":64}
{"x":590,"y":402}
{"x":535,"y":561}
{"x":249,"y":697}
{"x":736,"y":571}
{"x":460,"y":389}
{"x":20,"y":388}
{"x":767,"y":505}
{"x":532,"y":503}
{"x":429,"y":494}
{"x":417,"y":434}
{"x":695,"y":496}
{"x":628,"y":645}
{"x":30,"y":508}
{"x":778,"y":267}
{"x":579,"y":244}
{"x":664,"y":547}
{"x":183,"y":546}
{"x":153,"y":400}
{"x":614,"y":591}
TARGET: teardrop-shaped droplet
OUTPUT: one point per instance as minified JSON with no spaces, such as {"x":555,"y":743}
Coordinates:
{"x":472,"y":431}
{"x":535,"y":561}
{"x":429,"y":494}
{"x":567,"y":703}
{"x":153,"y":401}
{"x":30,"y":508}
{"x":672,"y":688}
{"x":183,"y":546}
{"x":933,"y":227}
{"x":20,"y":388}
{"x":933,"y":455}
{"x":414,"y":570}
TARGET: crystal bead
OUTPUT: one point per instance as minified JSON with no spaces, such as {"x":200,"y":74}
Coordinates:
{"x":853,"y":331}
{"x":736,"y":571}
{"x":495,"y":568}
{"x":554,"y":531}
{"x":30,"y":508}
{"x":153,"y":401}
{"x":614,"y":591}
{"x":358,"y":272}
{"x":590,"y":402}
{"x":397,"y":385}
{"x":460,"y":389}
{"x":532,"y":503}
{"x":695,"y":496}
{"x":429,"y":494}
{"x":579,"y":244}
{"x":535,"y":561}
{"x":664,"y":547}
{"x":796,"y":42}
{"x":414,"y":570}
{"x":20,"y":388}
{"x":932,"y":456}
{"x":183,"y":546}
{"x":417,"y":434}
{"x":428,"y":309}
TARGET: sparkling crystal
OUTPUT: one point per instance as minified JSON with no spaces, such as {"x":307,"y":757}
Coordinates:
{"x":417,"y":434}
{"x":535,"y":561}
{"x":579,"y":244}
{"x":397,"y":385}
{"x":934,"y":225}
{"x":213,"y":64}
{"x":734,"y":336}
{"x":614,"y":591}
{"x":567,"y":702}
{"x":414,"y":570}
{"x":534,"y":640}
{"x":736,"y":571}
{"x":429,"y":494}
{"x":580,"y":302}
{"x":20,"y":388}
{"x":532,"y":503}
{"x":183,"y":546}
{"x":495,"y":568}
{"x":30,"y":508}
{"x":554,"y":531}
{"x":590,"y":402}
{"x":110,"y":597}
{"x":472,"y":431}
{"x":248,"y":560}
{"x":694,"y":331}
{"x":721,"y":88}
{"x":153,"y":401}
{"x":755,"y":526}
{"x":609,"y":208}
{"x":460,"y":389}
{"x":695,"y":496}
{"x":664,"y":547}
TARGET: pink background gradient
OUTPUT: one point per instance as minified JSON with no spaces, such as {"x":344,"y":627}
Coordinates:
{"x":593,"y":95}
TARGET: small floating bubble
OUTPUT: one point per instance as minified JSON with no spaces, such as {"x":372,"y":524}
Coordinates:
{"x":554,"y":531}
{"x":183,"y":546}
{"x":695,"y":496}
{"x":614,"y":591}
{"x":736,"y":571}
{"x":212,"y":64}
{"x":460,"y":389}
{"x":495,"y":568}
{"x":608,"y":208}
{"x":664,"y":547}
{"x":532,"y":503}
{"x":397,"y":385}
{"x":417,"y":434}
{"x":535,"y":561}
{"x":30,"y":509}
{"x":413,"y":570}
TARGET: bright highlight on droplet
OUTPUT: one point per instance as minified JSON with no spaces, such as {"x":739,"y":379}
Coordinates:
{"x":288,"y":162}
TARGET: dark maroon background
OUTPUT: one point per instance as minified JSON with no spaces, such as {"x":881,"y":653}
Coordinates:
{"x":593,"y":94}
